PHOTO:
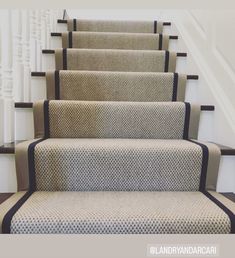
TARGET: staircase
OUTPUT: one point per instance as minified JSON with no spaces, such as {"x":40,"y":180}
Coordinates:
{"x":116,"y":147}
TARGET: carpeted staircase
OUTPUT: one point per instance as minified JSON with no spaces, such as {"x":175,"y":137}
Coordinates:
{"x":116,"y":149}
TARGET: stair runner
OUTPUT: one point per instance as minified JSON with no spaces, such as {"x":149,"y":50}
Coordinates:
{"x":115,"y":148}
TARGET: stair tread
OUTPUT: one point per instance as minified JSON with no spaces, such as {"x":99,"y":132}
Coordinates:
{"x":30,"y":105}
{"x":9,"y":148}
{"x":43,"y":74}
{"x":52,"y":51}
{"x":65,"y":22}
{"x":59,"y":34}
{"x":127,"y":212}
{"x":23,"y":104}
{"x":5,"y":196}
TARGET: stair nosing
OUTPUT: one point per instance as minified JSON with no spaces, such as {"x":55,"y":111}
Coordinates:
{"x":30,"y":105}
{"x":52,"y":51}
{"x":23,"y":104}
{"x":43,"y":74}
{"x":10,"y":149}
{"x":66,"y":21}
{"x":59,"y":34}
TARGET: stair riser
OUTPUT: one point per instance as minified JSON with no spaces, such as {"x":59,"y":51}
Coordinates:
{"x":48,"y":64}
{"x":24,"y":123}
{"x":38,"y":90}
{"x":61,"y":27}
{"x":56,"y":42}
{"x":8,"y":181}
{"x":226,"y":179}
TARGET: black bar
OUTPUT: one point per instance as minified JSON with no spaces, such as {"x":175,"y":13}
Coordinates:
{"x":64,"y":14}
{"x":64,"y":59}
{"x":173,"y":37}
{"x":57,"y":84}
{"x":56,"y":34}
{"x":160,"y":42}
{"x":38,"y":74}
{"x":46,"y":119}
{"x":207,"y":108}
{"x":166,"y":62}
{"x":48,"y":51}
{"x":23,"y":104}
{"x":192,"y":77}
{"x":181,"y":54}
{"x":74,"y":24}
{"x":61,"y":21}
{"x":70,"y":39}
{"x":155,"y":27}
{"x":175,"y":87}
{"x":166,"y":23}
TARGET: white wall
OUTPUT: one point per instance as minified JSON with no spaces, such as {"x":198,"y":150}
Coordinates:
{"x":210,"y":38}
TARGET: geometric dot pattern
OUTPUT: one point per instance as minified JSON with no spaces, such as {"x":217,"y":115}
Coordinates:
{"x":116,"y":86}
{"x":120,"y":213}
{"x":93,"y":119}
{"x":117,"y":165}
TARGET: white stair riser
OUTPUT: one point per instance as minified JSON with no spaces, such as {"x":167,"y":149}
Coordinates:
{"x":8,"y":173}
{"x":38,"y":88}
{"x":24,"y":124}
{"x":206,"y":126}
{"x":56,"y":42}
{"x":48,"y":62}
{"x":226,"y":178}
{"x":61,"y":27}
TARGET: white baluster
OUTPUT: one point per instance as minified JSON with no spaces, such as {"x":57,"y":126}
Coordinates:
{"x":33,"y":43}
{"x":1,"y":89}
{"x":55,"y":17}
{"x":26,"y":55}
{"x":38,"y":39}
{"x":18,"y":78}
{"x":48,"y":29}
{"x":44,"y":36}
{"x":8,"y":105}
